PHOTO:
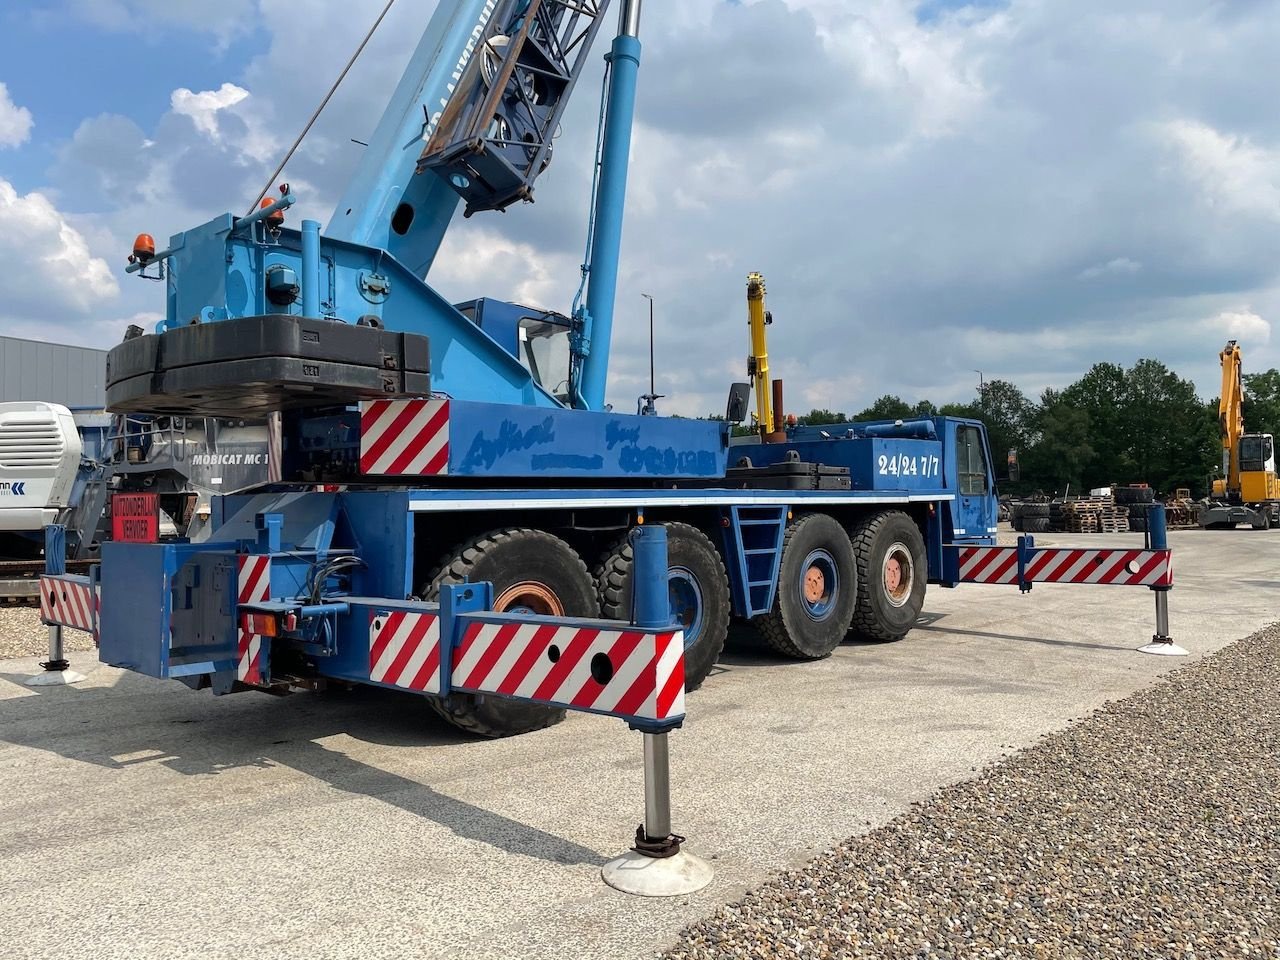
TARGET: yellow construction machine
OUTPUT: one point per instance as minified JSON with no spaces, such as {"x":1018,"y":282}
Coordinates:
{"x":768,"y":415}
{"x":1248,"y":491}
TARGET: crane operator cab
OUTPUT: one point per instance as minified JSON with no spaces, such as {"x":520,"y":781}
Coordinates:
{"x":1258,"y":468}
{"x":539,"y":339}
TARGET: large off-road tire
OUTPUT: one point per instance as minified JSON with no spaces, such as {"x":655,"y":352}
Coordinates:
{"x":1128,"y":496}
{"x":1036,"y":525}
{"x":892,"y":573}
{"x":1033,"y":510}
{"x":699,"y":590}
{"x":817,"y":590}
{"x":531,"y":571}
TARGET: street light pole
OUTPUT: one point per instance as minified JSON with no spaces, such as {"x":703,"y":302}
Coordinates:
{"x":651,"y":380}
{"x":647,"y":405}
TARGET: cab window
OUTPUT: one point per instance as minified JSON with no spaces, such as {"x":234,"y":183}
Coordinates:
{"x":972,"y":461}
{"x":544,"y":351}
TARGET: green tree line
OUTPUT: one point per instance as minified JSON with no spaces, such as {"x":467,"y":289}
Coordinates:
{"x":1143,"y":424}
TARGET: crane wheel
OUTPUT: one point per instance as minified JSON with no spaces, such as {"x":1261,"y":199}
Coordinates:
{"x":532,"y":571}
{"x":892,"y":572}
{"x":817,"y":590}
{"x":698,"y":587}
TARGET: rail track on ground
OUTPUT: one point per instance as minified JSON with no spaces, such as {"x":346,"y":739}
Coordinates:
{"x":20,"y":580}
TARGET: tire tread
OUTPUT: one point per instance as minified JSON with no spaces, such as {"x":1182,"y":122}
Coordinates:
{"x":862,"y":536}
{"x":457,"y":567}
{"x":614,"y":567}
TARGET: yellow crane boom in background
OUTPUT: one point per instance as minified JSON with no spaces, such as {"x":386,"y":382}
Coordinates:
{"x":768,"y":413}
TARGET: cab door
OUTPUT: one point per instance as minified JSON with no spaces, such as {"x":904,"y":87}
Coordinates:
{"x":975,"y":512}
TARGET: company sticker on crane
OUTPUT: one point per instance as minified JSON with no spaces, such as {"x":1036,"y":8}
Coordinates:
{"x":404,"y":437}
{"x":1145,"y":568}
{"x":633,"y":673}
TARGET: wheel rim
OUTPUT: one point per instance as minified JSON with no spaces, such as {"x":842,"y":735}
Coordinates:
{"x":529,"y":596}
{"x":898,"y":573}
{"x":819,"y":584}
{"x":686,"y":602}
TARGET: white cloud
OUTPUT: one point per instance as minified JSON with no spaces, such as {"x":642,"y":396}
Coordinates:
{"x":203,"y":107}
{"x":15,"y":121}
{"x":1243,"y":325}
{"x":1234,"y":173}
{"x":1119,"y":267}
{"x":50,"y":270}
{"x":224,"y":19}
{"x":472,"y":258}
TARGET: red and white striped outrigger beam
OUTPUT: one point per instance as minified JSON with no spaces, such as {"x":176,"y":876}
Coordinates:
{"x":68,"y":600}
{"x":595,"y":667}
{"x":1027,"y":564}
{"x":457,"y":645}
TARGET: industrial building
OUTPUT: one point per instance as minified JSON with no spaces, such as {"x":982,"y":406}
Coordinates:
{"x":52,"y":372}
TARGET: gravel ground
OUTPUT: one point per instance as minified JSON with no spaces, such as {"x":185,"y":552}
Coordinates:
{"x":23,"y":635}
{"x":1149,"y":829}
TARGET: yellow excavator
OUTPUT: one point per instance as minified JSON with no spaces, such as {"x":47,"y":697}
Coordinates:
{"x":1249,"y":491}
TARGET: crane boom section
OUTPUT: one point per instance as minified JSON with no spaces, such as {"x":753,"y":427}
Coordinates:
{"x":758,"y":362}
{"x":384,"y":181}
{"x":495,"y":135}
{"x":473,"y":118}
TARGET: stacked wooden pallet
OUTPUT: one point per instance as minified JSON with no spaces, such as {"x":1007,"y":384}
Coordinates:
{"x":1095,"y":515}
{"x":1182,"y":511}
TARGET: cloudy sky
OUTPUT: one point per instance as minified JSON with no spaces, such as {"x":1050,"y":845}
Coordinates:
{"x":931,"y":187}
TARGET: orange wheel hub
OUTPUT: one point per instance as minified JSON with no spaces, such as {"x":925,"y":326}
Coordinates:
{"x":531,"y":596}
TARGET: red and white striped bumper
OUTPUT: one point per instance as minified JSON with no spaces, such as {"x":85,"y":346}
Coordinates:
{"x":631,"y":673}
{"x":404,"y":650}
{"x":70,"y":601}
{"x":1118,"y":567}
{"x":253,"y":586}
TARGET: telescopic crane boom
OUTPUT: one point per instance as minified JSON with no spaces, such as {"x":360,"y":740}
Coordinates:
{"x":768,"y":413}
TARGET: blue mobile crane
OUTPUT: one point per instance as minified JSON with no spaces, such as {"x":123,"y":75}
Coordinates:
{"x":427,"y":444}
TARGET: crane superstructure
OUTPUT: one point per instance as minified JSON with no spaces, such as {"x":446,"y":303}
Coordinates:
{"x":428,"y":446}
{"x":1248,"y":491}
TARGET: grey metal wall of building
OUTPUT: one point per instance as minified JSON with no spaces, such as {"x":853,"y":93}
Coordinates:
{"x":53,"y":372}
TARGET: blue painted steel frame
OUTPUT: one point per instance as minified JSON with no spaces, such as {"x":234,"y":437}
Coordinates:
{"x":216,"y":273}
{"x":152,"y":635}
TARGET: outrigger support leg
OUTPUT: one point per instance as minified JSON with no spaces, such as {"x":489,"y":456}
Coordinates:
{"x":1161,"y":643}
{"x":57,"y":670}
{"x":656,"y":866}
